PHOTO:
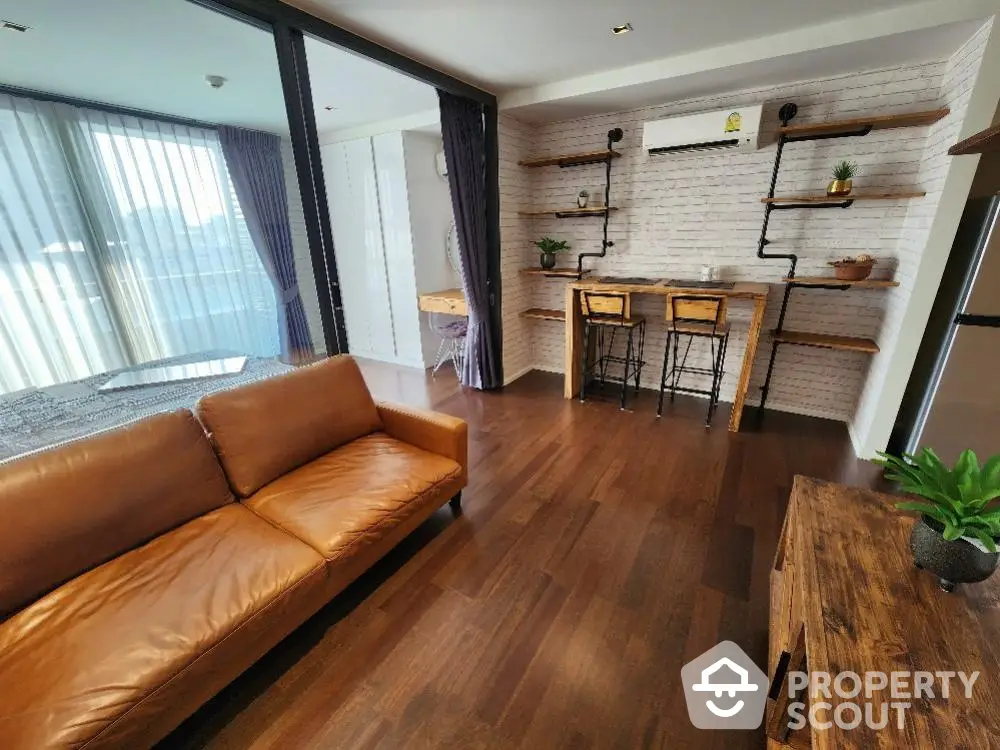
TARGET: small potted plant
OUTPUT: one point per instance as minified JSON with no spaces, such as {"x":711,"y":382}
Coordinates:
{"x":956,"y":537}
{"x":581,"y":199}
{"x":843,"y":173}
{"x":549,"y":248}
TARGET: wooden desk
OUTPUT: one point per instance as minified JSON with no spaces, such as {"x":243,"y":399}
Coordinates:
{"x":448,"y":302}
{"x":846,"y":597}
{"x":757,"y":293}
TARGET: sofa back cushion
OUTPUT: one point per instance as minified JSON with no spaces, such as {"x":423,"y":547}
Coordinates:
{"x":266,"y":429}
{"x":70,"y":509}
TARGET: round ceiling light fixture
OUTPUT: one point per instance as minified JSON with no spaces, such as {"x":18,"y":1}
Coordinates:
{"x":622,"y":29}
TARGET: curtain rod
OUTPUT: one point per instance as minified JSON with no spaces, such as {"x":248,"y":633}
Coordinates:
{"x":103,"y":107}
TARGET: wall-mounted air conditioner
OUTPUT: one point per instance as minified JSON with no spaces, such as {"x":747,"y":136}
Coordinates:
{"x":724,"y":129}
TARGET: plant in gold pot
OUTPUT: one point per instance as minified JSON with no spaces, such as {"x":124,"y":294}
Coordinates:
{"x":549,"y":248}
{"x":843,"y":173}
{"x":956,"y":537}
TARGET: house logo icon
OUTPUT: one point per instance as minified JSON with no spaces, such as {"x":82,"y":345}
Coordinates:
{"x":724,"y":689}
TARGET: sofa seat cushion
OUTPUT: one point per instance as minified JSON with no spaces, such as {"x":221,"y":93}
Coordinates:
{"x":81,"y":659}
{"x":349,"y":499}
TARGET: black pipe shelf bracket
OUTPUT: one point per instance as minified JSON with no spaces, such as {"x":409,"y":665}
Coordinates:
{"x":614,"y":136}
{"x":786,"y":114}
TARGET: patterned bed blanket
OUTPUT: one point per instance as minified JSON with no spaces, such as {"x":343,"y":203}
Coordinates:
{"x":36,"y":419}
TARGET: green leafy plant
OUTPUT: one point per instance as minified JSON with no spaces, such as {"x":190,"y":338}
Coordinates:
{"x":960,"y":499}
{"x":549,"y":245}
{"x":845,"y":170}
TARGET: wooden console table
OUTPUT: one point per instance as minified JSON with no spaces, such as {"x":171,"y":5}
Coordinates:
{"x":757,"y":293}
{"x":447,"y":302}
{"x":846,"y":597}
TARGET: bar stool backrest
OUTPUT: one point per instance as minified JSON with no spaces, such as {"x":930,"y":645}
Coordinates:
{"x":606,"y":307}
{"x":697,"y":308}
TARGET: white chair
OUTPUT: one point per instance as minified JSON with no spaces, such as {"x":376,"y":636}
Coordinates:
{"x":452,"y":331}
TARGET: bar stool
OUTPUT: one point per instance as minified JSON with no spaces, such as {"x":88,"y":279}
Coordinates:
{"x":604,"y":315}
{"x":695,"y":316}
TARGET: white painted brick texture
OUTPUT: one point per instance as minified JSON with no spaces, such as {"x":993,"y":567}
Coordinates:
{"x":681,"y":211}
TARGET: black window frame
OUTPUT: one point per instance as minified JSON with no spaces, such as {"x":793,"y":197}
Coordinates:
{"x":289,"y":26}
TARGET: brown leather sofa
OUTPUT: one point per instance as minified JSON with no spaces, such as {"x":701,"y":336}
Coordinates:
{"x":134,"y":585}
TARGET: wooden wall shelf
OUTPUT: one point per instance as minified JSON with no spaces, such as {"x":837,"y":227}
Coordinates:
{"x":541,"y":313}
{"x":842,"y":199}
{"x":832,"y":281}
{"x":877,"y":122}
{"x":570,"y":160}
{"x":826,"y":341}
{"x":983,"y":142}
{"x":569,"y":213}
{"x":555,"y":273}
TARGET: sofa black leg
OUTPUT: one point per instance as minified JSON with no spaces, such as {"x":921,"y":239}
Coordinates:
{"x":456,"y":504}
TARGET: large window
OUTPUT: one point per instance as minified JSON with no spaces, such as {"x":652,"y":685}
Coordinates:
{"x":121,"y":241}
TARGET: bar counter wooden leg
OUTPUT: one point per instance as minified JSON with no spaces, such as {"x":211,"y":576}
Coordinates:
{"x":753,"y":337}
{"x":574,"y":343}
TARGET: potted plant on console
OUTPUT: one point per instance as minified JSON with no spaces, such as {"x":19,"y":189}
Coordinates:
{"x":549,"y":248}
{"x":956,"y":537}
{"x":843,"y":173}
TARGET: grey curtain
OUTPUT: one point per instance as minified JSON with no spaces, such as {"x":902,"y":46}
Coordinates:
{"x":253,"y":159}
{"x":464,"y":134}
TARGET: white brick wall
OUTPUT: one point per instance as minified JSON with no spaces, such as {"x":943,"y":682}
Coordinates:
{"x":514,"y":141}
{"x":681,"y":211}
{"x":956,"y":89}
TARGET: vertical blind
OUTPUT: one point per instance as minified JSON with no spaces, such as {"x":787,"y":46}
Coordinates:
{"x":121,"y":242}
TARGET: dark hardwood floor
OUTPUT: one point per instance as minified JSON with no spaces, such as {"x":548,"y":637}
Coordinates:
{"x":597,"y":553}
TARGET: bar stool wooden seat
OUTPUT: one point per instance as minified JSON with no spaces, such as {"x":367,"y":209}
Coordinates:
{"x":606,"y":314}
{"x":698,"y":316}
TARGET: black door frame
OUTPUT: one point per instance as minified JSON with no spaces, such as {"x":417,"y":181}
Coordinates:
{"x":958,"y":278}
{"x":289,"y":25}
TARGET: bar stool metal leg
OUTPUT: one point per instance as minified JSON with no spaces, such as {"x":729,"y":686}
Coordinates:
{"x":663,"y":374}
{"x":640,"y":362}
{"x":628,"y":361}
{"x":583,"y":366}
{"x":713,"y":393}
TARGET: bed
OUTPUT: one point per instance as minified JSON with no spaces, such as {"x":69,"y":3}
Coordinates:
{"x":35,"y":419}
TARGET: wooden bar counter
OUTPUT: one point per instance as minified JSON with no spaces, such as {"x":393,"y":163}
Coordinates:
{"x":753,"y":292}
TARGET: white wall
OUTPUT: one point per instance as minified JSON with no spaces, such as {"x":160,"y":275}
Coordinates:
{"x":971,"y":86}
{"x":300,"y":247}
{"x":515,"y":195}
{"x":430,"y":221}
{"x":679,"y":212}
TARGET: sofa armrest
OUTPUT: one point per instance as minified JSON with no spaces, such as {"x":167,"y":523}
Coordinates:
{"x":430,"y":430}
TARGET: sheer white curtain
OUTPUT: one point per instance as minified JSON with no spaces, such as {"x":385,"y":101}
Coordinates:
{"x":127,"y":245}
{"x":54,"y":316}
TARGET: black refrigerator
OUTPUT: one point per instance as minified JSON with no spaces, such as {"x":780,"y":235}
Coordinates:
{"x":959,"y":403}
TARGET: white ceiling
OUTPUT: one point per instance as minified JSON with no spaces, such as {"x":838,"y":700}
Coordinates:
{"x":510,"y":44}
{"x":360,"y":90}
{"x":557,"y":59}
{"x":154,"y":55}
{"x":912,"y":47}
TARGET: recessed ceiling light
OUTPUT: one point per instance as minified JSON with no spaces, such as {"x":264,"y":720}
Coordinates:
{"x":329,"y":108}
{"x":623,"y":29}
{"x":13,"y":26}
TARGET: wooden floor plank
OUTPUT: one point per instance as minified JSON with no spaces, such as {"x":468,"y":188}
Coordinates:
{"x":597,"y":552}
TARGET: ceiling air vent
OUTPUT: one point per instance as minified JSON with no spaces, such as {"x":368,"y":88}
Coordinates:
{"x":12,"y":26}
